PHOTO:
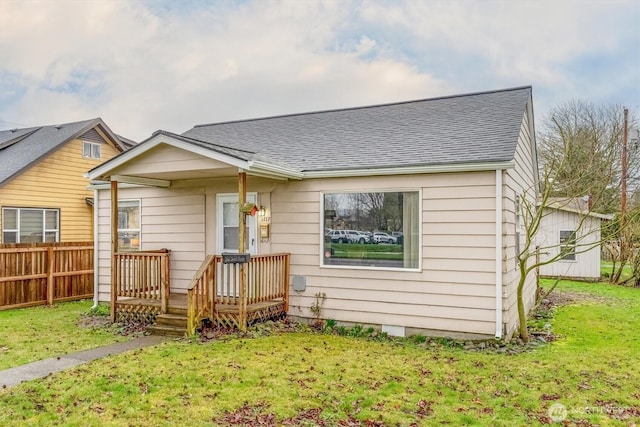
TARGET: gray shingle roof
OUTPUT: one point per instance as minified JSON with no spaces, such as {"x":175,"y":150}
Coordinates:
{"x":20,"y":148}
{"x":472,"y":128}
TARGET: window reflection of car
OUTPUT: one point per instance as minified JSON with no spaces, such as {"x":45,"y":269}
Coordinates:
{"x":382,"y":237}
{"x":399,"y":237}
{"x":338,"y":236}
{"x":357,"y":236}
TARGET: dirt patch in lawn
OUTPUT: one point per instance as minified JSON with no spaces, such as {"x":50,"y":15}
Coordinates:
{"x":558,"y":299}
{"x":90,"y":321}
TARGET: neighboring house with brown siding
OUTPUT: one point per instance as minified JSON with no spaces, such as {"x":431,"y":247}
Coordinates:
{"x":43,"y":193}
{"x":432,"y":184}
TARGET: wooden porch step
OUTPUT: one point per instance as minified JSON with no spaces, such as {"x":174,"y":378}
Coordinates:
{"x":169,"y":324}
{"x":172,"y":320}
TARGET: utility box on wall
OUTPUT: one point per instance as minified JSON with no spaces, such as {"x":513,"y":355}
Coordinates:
{"x":299,"y":283}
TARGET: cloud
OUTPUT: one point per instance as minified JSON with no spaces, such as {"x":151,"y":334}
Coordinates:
{"x":147,"y":65}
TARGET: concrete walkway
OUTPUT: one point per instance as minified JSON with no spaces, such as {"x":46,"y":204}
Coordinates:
{"x":42,"y":368}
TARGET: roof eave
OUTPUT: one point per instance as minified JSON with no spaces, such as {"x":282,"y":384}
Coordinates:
{"x":578,"y":212}
{"x":411,"y":170}
{"x":252,"y":167}
{"x":270,"y":170}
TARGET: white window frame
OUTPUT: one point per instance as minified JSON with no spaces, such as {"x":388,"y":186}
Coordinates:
{"x":94,"y":149}
{"x":45,"y":230}
{"x":365,"y":267}
{"x":573,"y":245}
{"x":131,"y":230}
{"x":252,"y":222}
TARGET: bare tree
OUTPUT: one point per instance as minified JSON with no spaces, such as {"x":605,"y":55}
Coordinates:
{"x":579,"y":150}
{"x":588,"y":137}
{"x":532,"y":213}
{"x":373,"y":203}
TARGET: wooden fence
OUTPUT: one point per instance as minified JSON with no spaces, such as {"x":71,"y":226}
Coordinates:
{"x":44,"y":273}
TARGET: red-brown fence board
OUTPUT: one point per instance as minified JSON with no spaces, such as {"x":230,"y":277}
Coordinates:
{"x":43,"y":273}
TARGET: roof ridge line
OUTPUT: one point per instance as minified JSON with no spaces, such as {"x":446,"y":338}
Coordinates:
{"x":363,"y":107}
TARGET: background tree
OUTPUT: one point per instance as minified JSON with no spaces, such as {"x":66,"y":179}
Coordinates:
{"x":585,"y":136}
{"x":579,"y":149}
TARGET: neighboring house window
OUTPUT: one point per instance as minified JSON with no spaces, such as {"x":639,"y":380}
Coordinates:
{"x":377,"y":229}
{"x":568,"y":245}
{"x":30,"y":225}
{"x":129,"y":225}
{"x":91,"y":150}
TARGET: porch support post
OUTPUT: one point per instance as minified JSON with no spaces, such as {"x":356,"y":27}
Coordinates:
{"x":242,"y":247}
{"x":114,"y":247}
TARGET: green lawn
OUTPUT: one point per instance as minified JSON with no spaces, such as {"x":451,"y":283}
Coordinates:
{"x":36,"y":333}
{"x":304,"y":378}
{"x":607,"y":266}
{"x":367,"y":251}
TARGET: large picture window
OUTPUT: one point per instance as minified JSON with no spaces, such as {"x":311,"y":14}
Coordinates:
{"x":377,"y":229}
{"x":30,"y":225}
{"x":128,"y":225}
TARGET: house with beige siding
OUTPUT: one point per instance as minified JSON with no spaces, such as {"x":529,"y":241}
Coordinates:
{"x":44,"y":196}
{"x":570,"y":236}
{"x":428,"y":187}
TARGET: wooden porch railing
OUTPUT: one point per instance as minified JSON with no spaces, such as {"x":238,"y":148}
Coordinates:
{"x":200,"y":293}
{"x":216,"y":284}
{"x":141,"y":275}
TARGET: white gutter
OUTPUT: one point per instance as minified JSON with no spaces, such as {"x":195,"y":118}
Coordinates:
{"x":410,"y":170}
{"x":95,"y":248}
{"x":257,"y":167}
{"x":498,"y":254}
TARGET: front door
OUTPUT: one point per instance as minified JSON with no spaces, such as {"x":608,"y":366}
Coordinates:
{"x":228,"y":224}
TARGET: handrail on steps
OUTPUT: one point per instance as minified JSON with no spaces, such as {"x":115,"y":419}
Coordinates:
{"x":218,"y":283}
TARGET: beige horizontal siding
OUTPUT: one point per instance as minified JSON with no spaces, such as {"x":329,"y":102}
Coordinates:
{"x":456,"y":282}
{"x":415,"y":301}
{"x":518,"y":181}
{"x":447,"y":326}
{"x":164,"y":158}
{"x":163,"y":225}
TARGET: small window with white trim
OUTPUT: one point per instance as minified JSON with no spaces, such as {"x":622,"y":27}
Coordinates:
{"x":128,"y":225}
{"x":568,"y":245}
{"x":91,"y":150}
{"x":372,"y":229}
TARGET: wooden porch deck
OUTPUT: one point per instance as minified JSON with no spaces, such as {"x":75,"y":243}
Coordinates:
{"x":142,"y":292}
{"x":178,"y":304}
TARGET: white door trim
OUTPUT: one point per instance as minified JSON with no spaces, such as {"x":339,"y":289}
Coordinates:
{"x":252,"y":222}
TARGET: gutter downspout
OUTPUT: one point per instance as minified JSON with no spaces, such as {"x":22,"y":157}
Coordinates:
{"x":95,"y":248}
{"x":498,"y":254}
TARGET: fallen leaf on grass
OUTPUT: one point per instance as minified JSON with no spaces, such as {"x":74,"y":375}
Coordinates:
{"x":549,"y":396}
{"x":424,"y":408}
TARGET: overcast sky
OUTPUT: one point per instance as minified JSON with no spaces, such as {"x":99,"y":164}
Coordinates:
{"x":164,"y":64}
